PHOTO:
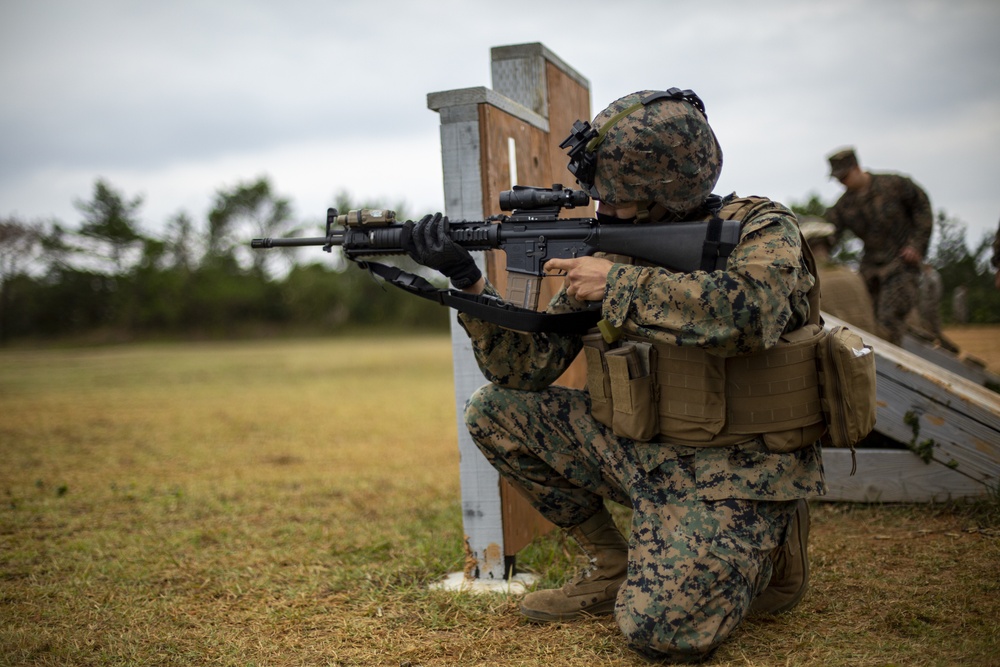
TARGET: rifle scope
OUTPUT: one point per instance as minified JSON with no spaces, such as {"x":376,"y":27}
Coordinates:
{"x":527,"y":198}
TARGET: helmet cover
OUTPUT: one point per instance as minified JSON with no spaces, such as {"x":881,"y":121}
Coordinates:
{"x":664,"y":151}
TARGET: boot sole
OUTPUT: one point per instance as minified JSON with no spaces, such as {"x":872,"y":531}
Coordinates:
{"x":601,"y":609}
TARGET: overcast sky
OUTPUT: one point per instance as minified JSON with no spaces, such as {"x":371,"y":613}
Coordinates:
{"x":175,"y":100}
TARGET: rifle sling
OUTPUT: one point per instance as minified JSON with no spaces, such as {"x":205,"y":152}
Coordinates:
{"x":714,"y":248}
{"x":486,"y":307}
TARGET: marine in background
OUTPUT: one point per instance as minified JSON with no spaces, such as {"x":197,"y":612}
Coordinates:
{"x":892,"y":217}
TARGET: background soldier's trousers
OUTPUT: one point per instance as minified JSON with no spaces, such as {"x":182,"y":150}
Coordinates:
{"x":894,"y":292}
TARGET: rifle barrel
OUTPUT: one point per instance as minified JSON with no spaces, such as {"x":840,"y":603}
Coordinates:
{"x":289,"y":242}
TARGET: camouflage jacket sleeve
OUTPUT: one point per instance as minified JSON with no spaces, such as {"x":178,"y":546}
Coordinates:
{"x":518,"y":360}
{"x":740,"y":310}
{"x":919,"y":207}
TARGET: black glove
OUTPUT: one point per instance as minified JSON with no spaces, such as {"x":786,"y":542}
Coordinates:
{"x":430,"y":245}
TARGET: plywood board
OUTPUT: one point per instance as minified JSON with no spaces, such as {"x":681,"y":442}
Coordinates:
{"x":893,"y":476}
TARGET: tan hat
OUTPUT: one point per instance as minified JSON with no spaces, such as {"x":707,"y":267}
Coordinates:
{"x":842,"y":162}
{"x":814,"y":227}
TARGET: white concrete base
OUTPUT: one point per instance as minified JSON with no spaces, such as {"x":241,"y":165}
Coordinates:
{"x":456,"y":581}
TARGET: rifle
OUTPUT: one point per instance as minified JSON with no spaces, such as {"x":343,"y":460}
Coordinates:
{"x":531,"y":235}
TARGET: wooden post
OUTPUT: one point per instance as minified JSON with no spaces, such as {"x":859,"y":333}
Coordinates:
{"x":489,"y":139}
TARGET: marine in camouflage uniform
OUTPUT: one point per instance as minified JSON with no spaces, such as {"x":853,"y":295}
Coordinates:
{"x":706,"y":521}
{"x":892,"y":216}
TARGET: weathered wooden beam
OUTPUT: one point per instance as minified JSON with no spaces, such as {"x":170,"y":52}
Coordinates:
{"x":479,"y":481}
{"x":488,"y":136}
{"x":893,"y":476}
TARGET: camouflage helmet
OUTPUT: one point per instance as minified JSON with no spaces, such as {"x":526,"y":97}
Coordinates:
{"x":652,"y":146}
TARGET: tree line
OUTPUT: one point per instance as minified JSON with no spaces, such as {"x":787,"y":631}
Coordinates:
{"x":107,"y":278}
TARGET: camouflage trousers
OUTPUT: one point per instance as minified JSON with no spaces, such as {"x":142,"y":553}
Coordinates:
{"x":694,"y":565}
{"x":894,"y":290}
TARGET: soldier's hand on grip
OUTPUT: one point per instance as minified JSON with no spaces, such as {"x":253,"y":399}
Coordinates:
{"x":430,"y":245}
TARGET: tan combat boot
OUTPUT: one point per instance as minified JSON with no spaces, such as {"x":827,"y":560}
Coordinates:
{"x":593,"y":591}
{"x":790,"y":576}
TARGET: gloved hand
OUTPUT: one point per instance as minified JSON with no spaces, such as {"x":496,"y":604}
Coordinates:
{"x":430,"y":245}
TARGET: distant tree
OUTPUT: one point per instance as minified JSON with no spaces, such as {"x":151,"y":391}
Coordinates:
{"x":949,"y":248}
{"x":811,"y":206}
{"x":57,"y":247}
{"x":984,"y":300}
{"x":181,"y":242}
{"x":247,"y":210}
{"x":112,"y":221}
{"x":959,"y":266}
{"x":20,"y":243}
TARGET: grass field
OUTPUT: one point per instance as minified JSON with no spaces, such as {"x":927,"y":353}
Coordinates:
{"x":289,"y":503}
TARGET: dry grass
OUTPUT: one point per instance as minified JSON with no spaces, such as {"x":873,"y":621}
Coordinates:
{"x":289,"y":504}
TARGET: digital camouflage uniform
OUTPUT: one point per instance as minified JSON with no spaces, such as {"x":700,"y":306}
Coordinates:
{"x":704,"y":519}
{"x":894,"y":212}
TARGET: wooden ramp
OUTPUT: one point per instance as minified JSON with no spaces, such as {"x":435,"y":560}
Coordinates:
{"x":968,"y":367}
{"x":948,"y":424}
